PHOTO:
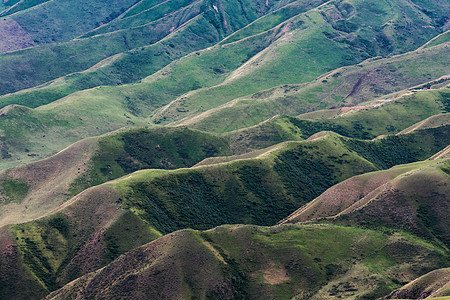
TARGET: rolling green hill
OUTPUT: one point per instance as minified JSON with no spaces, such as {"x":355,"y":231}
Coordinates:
{"x":30,"y":191}
{"x":135,"y":133}
{"x":410,"y":197}
{"x":260,"y":263}
{"x":191,"y":28}
{"x":91,"y":226}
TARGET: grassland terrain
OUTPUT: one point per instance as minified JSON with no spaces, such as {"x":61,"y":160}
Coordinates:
{"x":194,"y":26}
{"x":224,"y":149}
{"x":32,"y":190}
{"x":260,"y":263}
{"x":28,"y":135}
{"x":65,"y":245}
{"x":214,"y":69}
{"x":396,"y":197}
{"x":431,"y":285}
{"x":383,"y":79}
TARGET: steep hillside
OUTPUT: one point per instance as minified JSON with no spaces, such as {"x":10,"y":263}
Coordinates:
{"x":191,"y":26}
{"x":32,"y":134}
{"x":100,"y":110}
{"x":32,"y":190}
{"x":409,"y":197}
{"x":430,"y":285}
{"x":224,"y":149}
{"x":347,"y":86}
{"x":258,"y":191}
{"x":262,"y":263}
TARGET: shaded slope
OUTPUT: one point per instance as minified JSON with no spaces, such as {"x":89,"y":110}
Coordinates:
{"x":261,"y":263}
{"x":63,"y":20}
{"x":430,"y":285}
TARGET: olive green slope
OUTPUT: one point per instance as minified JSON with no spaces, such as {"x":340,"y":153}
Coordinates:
{"x":410,"y":197}
{"x":99,"y":110}
{"x":62,"y":20}
{"x":418,"y":110}
{"x":313,"y":43}
{"x":380,"y":79}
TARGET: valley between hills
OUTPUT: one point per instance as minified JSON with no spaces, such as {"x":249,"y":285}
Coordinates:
{"x":225,"y":149}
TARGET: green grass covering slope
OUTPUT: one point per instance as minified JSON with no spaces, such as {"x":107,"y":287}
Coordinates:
{"x":307,"y":261}
{"x":31,"y":191}
{"x":63,"y":20}
{"x":429,"y":286}
{"x":83,"y":237}
{"x":270,"y":186}
{"x":192,"y":26}
{"x":258,"y":191}
{"x":389,"y":118}
{"x":47,"y":62}
{"x":440,"y":39}
{"x":408,"y":197}
{"x":309,"y":45}
{"x":347,"y":86}
{"x":13,"y":6}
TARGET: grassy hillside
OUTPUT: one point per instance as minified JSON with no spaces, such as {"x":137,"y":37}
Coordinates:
{"x":259,"y":263}
{"x":99,"y":110}
{"x":32,"y":190}
{"x":430,"y":285}
{"x":63,"y":20}
{"x":390,"y":118}
{"x":431,"y":122}
{"x":258,"y":191}
{"x":410,"y":197}
{"x":347,"y":86}
{"x":13,"y":6}
{"x":193,"y":27}
{"x":310,"y":45}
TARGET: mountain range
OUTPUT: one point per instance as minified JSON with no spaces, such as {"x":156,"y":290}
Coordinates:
{"x":224,"y":149}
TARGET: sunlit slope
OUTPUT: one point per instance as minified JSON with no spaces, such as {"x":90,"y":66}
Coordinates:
{"x":200,"y":25}
{"x":384,"y":79}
